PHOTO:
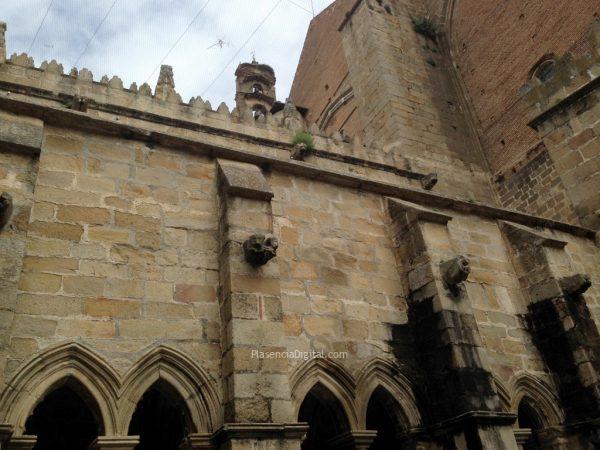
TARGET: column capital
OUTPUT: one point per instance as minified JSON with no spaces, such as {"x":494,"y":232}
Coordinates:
{"x":115,"y":443}
{"x":24,"y":442}
{"x":266,"y":431}
{"x":353,"y":440}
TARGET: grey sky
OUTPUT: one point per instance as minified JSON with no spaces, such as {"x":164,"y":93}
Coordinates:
{"x":138,"y":33}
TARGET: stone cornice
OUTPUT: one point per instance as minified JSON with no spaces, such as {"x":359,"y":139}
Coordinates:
{"x":202,"y":142}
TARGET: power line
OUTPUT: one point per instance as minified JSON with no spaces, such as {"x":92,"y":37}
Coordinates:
{"x":95,"y":32}
{"x":178,"y":39}
{"x":299,"y":6}
{"x":242,"y":46}
{"x":40,"y":27}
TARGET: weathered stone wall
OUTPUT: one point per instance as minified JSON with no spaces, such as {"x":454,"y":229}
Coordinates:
{"x":18,"y":172}
{"x":120,"y":251}
{"x":536,"y":187}
{"x":130,"y":267}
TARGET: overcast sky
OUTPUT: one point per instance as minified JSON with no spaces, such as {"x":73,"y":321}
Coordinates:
{"x":137,"y":34}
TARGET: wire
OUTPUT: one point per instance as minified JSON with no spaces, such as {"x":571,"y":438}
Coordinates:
{"x":242,"y":46}
{"x":95,"y":32}
{"x":300,"y":6}
{"x":40,"y":27}
{"x":312,"y":6}
{"x":177,"y":40}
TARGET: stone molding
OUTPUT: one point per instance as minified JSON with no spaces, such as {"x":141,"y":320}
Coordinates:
{"x":115,"y":443}
{"x":195,"y":142}
{"x":243,"y":180}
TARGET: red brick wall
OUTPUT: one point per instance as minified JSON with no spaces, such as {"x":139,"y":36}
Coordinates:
{"x":496,"y":44}
{"x":322,"y":69}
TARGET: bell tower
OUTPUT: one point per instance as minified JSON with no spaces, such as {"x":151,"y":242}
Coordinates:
{"x":255,"y":87}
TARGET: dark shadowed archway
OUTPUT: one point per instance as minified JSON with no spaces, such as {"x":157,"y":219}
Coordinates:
{"x":384,"y":415}
{"x":528,"y":419}
{"x":67,"y":418}
{"x":325,"y":416}
{"x":161,"y":418}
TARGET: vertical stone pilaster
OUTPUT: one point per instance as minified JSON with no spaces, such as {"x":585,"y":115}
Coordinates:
{"x":257,"y":392}
{"x":462,"y":395}
{"x":559,"y":318}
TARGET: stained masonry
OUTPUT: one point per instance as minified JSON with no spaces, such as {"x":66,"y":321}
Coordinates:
{"x":152,"y":248}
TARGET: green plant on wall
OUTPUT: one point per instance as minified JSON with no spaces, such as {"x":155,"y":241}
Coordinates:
{"x":426,"y":27}
{"x":302,"y":137}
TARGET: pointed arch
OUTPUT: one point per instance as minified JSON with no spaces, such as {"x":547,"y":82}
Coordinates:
{"x":539,"y":396}
{"x":380,"y":373}
{"x":331,"y":376}
{"x":503,"y":394}
{"x":69,"y":362}
{"x":184,"y":376}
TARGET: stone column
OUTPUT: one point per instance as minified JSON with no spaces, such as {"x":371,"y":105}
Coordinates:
{"x":2,"y":42}
{"x":115,"y":443}
{"x":24,"y":442}
{"x":256,"y":391}
{"x":462,"y":396}
{"x":559,"y":318}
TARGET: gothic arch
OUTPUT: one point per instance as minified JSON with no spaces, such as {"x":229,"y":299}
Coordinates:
{"x":383,"y":373}
{"x":503,"y":394}
{"x":52,"y":367}
{"x":331,"y":376}
{"x":539,"y":394}
{"x":186,"y":378}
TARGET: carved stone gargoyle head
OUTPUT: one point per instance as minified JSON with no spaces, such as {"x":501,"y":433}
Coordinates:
{"x":259,"y":249}
{"x":455,"y":270}
{"x":6,"y":208}
{"x":575,"y":284}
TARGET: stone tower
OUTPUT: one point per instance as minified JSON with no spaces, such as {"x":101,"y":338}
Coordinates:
{"x":255,"y":87}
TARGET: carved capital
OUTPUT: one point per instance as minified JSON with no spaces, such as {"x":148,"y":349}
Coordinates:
{"x":455,"y":270}
{"x":259,"y":249}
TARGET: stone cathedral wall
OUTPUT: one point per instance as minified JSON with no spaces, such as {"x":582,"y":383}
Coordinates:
{"x":131,"y":210}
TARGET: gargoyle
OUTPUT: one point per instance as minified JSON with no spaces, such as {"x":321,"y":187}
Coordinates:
{"x":455,"y":270}
{"x":575,"y":284}
{"x":6,"y":208}
{"x":259,"y":249}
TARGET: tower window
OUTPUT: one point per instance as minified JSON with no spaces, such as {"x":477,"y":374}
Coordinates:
{"x":258,"y":110}
{"x":544,"y":70}
{"x":257,"y":89}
